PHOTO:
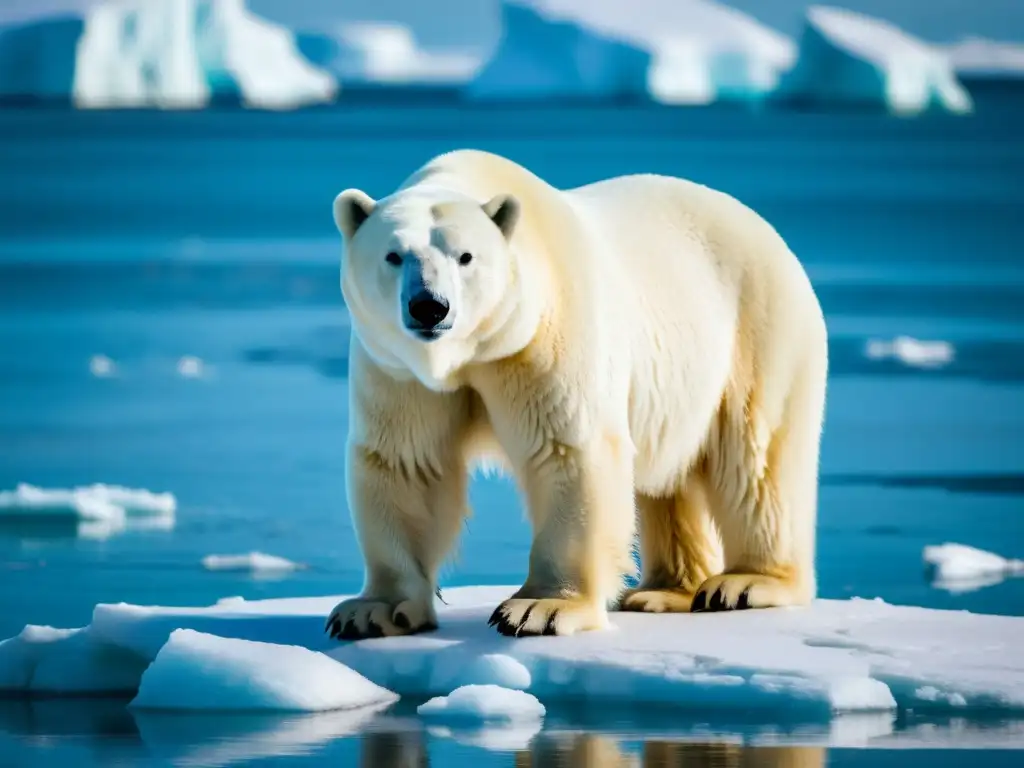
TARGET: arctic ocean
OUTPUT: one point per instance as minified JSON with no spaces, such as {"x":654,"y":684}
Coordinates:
{"x":171,"y":322}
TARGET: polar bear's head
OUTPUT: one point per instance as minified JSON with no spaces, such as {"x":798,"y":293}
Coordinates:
{"x":425,"y":267}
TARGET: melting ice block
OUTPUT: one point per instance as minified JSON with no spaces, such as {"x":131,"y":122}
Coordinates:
{"x":812,"y":662}
{"x":849,"y":58}
{"x":197,"y":671}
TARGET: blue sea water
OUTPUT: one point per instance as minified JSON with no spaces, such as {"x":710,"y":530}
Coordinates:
{"x":147,"y":237}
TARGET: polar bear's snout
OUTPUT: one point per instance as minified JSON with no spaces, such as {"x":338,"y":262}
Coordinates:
{"x":426,"y":311}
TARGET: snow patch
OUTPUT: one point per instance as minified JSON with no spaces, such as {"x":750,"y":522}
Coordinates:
{"x":475,"y":703}
{"x":98,"y":510}
{"x":252,"y":561}
{"x":850,"y":58}
{"x":179,"y":53}
{"x":959,"y":568}
{"x":197,"y":671}
{"x":675,"y":51}
{"x":912,"y":352}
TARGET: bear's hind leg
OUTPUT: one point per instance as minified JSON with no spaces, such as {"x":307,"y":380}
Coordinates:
{"x":763,"y":490}
{"x":679,"y":549}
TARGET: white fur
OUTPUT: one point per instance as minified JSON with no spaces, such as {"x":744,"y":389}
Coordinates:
{"x":642,"y":348}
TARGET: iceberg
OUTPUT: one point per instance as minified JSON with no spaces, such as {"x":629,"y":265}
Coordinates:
{"x":847,"y":58}
{"x":179,"y":54}
{"x":981,"y":57}
{"x":672,"y":51}
{"x":911,"y":352}
{"x":834,"y":657}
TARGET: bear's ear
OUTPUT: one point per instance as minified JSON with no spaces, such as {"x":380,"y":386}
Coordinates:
{"x":503,"y":210}
{"x":351,"y":208}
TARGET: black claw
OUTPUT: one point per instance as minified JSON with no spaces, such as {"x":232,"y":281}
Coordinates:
{"x":549,"y":627}
{"x":522,"y":621}
{"x":717,"y":602}
{"x":401,"y":620}
{"x":495,"y":617}
{"x":349,"y":631}
{"x":373,"y":630}
{"x":744,"y":600}
{"x":334,"y":629}
{"x":700,"y":603}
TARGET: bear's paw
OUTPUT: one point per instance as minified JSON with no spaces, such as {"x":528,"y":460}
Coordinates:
{"x":739,"y":591}
{"x":525,"y":617}
{"x":361,"y":618}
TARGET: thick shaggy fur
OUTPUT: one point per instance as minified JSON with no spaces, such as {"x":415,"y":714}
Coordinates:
{"x":642,"y":353}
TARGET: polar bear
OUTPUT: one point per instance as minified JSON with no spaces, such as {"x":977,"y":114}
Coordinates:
{"x":640,"y":353}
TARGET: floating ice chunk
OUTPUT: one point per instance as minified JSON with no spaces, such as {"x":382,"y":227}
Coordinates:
{"x":959,"y":568}
{"x":253,"y":561}
{"x":993,"y":58}
{"x":483,"y":703}
{"x":99,"y":502}
{"x":849,"y":58}
{"x":912,"y":352}
{"x":675,"y":51}
{"x":815,"y":662}
{"x":45,"y":660}
{"x":196,"y":671}
{"x":190,"y":367}
{"x":102,"y":367}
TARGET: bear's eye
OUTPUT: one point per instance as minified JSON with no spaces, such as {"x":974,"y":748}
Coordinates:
{"x":465,"y":258}
{"x":393,"y":259}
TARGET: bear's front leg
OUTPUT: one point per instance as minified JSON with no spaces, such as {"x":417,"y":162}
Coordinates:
{"x":581,"y":506}
{"x":406,"y":520}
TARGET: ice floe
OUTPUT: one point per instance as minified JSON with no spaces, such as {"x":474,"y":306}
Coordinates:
{"x":830,"y":658}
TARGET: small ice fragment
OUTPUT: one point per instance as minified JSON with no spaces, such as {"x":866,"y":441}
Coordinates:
{"x":101,"y":366}
{"x":190,"y":367}
{"x":483,"y":703}
{"x":252,"y":561}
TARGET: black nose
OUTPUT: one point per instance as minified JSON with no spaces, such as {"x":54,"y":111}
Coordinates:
{"x":427,"y":309}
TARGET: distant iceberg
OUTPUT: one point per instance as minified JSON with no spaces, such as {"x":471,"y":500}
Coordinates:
{"x":977,"y":56}
{"x":177,"y":54}
{"x":673,"y":51}
{"x":848,"y":58}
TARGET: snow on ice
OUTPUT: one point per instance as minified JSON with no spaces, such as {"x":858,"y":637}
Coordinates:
{"x":817,"y":662}
{"x":483,"y":703}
